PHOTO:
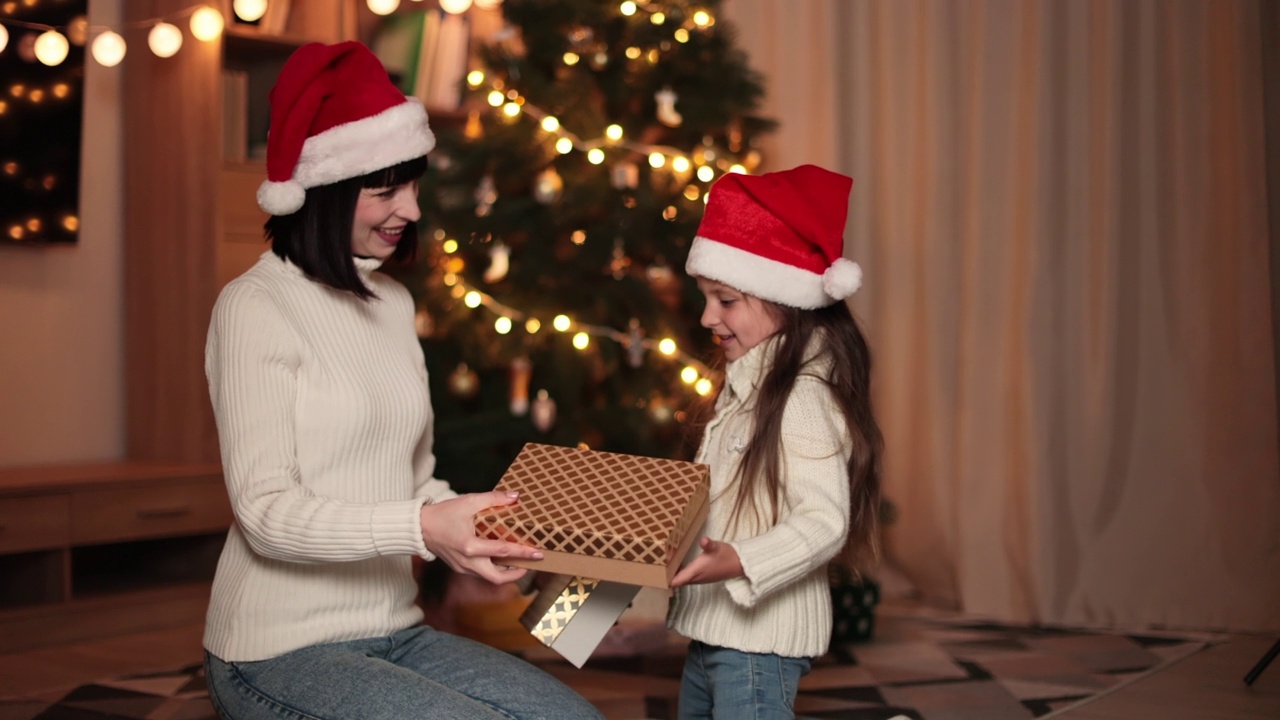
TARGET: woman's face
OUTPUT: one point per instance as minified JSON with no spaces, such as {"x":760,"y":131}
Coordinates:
{"x":381,"y":217}
{"x":739,"y":321}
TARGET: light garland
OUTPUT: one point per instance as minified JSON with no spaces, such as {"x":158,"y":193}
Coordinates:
{"x":108,"y":47}
{"x":694,"y":373}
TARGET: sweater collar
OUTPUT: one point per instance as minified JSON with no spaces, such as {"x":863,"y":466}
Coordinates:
{"x":365,"y":266}
{"x":744,"y":374}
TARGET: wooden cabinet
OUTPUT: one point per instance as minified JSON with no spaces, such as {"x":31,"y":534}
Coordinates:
{"x":96,"y":550}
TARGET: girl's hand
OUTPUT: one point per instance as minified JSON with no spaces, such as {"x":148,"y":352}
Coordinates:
{"x":449,"y":532}
{"x":718,"y":561}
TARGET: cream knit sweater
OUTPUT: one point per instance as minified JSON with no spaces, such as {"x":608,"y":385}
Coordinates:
{"x":783,"y":604}
{"x":325,"y":424}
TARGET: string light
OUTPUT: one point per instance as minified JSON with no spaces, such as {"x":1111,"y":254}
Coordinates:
{"x":51,"y":47}
{"x":455,"y":7}
{"x":4,"y":37}
{"x":249,"y":10}
{"x":108,"y":47}
{"x":385,"y":7}
{"x":206,"y":24}
{"x":164,"y":39}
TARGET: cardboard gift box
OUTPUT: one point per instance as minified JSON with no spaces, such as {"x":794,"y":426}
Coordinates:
{"x":600,"y":515}
{"x":607,"y":524}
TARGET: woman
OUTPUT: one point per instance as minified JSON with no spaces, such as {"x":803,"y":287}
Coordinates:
{"x":324,"y":419}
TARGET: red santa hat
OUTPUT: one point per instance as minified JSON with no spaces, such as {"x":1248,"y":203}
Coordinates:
{"x":335,"y":114}
{"x":778,"y":236}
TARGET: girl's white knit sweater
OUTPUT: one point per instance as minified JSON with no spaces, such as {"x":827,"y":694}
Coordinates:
{"x":325,"y":424}
{"x":783,"y":604}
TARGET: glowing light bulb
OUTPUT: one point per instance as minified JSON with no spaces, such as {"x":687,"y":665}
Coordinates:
{"x":613,"y":132}
{"x":682,"y":35}
{"x":496,"y":98}
{"x":680,"y":163}
{"x":561,"y":323}
{"x":550,"y":123}
{"x":449,"y":246}
{"x":703,"y":386}
{"x":689,"y":374}
{"x":702,"y":18}
{"x":4,"y":38}
{"x":502,"y":325}
{"x":658,"y":18}
{"x":532,"y":326}
{"x":564,"y":145}
{"x":571,"y":58}
{"x":657,"y":160}
{"x":472,"y":299}
{"x":383,"y":7}
{"x":581,"y":340}
{"x":475,"y":77}
{"x":249,"y":10}
{"x":51,"y":48}
{"x":595,"y":156}
{"x":738,"y":169}
{"x":511,"y":110}
{"x":164,"y":40}
{"x":628,"y":8}
{"x":706,"y":174}
{"x":667,"y":346}
{"x":455,"y":7}
{"x":206,"y":24}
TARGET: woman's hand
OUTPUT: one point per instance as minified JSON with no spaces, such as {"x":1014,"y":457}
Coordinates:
{"x":718,"y":561}
{"x":449,"y":531}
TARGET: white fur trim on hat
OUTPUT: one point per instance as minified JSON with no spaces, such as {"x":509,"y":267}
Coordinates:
{"x":842,"y":279}
{"x":766,"y":279}
{"x":393,"y":136}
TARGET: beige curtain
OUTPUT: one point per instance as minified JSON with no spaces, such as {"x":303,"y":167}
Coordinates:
{"x":1061,"y":209}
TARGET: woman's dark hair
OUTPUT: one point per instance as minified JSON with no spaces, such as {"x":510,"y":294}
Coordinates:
{"x":843,"y":348}
{"x":317,"y":238}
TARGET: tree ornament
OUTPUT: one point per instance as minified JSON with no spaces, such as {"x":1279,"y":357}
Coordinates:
{"x":619,"y":262}
{"x":464,"y":382}
{"x":499,"y":262}
{"x":635,"y":343}
{"x":543,"y":411}
{"x":486,"y":196}
{"x":548,"y":186}
{"x":625,"y":175}
{"x":667,"y":114}
{"x":520,"y":372}
{"x":423,"y":323}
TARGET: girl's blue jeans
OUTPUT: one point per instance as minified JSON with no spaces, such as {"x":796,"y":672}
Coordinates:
{"x":729,"y":684}
{"x":415,"y":673}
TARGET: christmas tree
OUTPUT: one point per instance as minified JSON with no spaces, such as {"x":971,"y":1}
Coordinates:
{"x":553,"y":306}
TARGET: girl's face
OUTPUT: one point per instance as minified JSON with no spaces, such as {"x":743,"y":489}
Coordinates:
{"x":739,"y":321}
{"x":380,"y":219}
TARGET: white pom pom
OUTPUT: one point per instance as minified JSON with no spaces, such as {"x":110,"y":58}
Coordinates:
{"x":842,"y":279}
{"x":281,"y":198}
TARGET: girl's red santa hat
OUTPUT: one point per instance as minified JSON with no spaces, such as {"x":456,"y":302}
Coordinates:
{"x":778,"y":236}
{"x":335,"y":114}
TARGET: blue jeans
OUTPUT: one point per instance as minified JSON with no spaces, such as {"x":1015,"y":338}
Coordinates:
{"x":415,"y":673}
{"x":729,"y":684}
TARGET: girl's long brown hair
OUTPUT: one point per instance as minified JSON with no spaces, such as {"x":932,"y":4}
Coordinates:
{"x":845,"y":350}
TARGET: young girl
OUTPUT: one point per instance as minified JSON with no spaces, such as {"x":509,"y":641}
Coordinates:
{"x":793,"y":446}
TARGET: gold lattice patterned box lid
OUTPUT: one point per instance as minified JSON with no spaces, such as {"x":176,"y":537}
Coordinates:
{"x":607,"y":516}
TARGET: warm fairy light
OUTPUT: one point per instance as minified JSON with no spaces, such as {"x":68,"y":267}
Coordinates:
{"x":564,"y":145}
{"x":702,"y":18}
{"x":71,"y":223}
{"x":61,"y":90}
{"x":532,"y":326}
{"x":682,"y":35}
{"x":386,"y":7}
{"x":51,"y":48}
{"x":449,"y":279}
{"x":595,"y":156}
{"x":35,"y":96}
{"x":706,"y":174}
{"x":658,"y":18}
{"x":455,"y":7}
{"x":613,"y":132}
{"x":581,"y":340}
{"x":667,"y":346}
{"x":449,"y":246}
{"x":15,"y":232}
{"x":206,"y":24}
{"x":455,"y":265}
{"x":4,"y":107}
{"x":571,"y":58}
{"x":691,"y":192}
{"x":511,"y":110}
{"x":689,"y":374}
{"x":164,"y":39}
{"x":550,"y":123}
{"x":738,"y":169}
{"x":680,"y":163}
{"x":657,"y":160}
{"x":703,"y":386}
{"x":669,"y":212}
{"x":34,"y":225}
{"x":578,"y":237}
{"x":502,"y":325}
{"x":653,"y":56}
{"x":249,"y":10}
{"x":561,"y":323}
{"x":4,"y":38}
{"x":475,"y":78}
{"x":457,"y":291}
{"x":634,"y":52}
{"x":628,"y":8}
{"x":496,"y":98}
{"x":10,"y":168}
{"x":471,"y":299}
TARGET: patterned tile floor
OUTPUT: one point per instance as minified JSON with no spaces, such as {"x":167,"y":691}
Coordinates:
{"x":926,"y":668}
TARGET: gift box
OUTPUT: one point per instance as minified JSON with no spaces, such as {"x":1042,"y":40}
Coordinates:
{"x":599,"y":515}
{"x":607,"y":524}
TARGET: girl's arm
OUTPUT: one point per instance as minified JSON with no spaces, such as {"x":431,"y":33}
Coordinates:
{"x":815,"y":507}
